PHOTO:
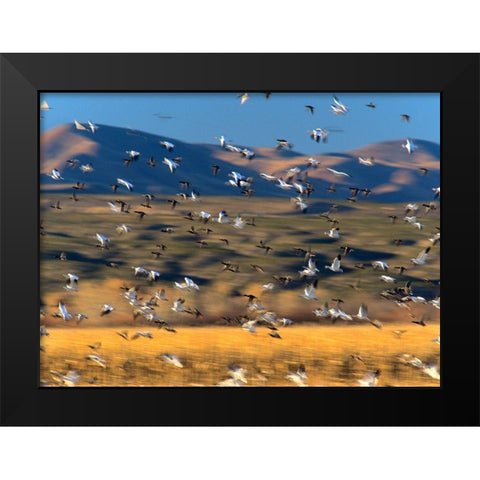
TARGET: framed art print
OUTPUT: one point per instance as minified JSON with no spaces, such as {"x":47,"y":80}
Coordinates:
{"x":182,"y":226}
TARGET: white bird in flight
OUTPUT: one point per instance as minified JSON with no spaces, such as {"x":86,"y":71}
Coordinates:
{"x":126,"y":184}
{"x":92,"y":126}
{"x":171,"y":164}
{"x":370,"y":379}
{"x":62,"y":312}
{"x":333,"y":233}
{"x":168,"y":145}
{"x":322,"y":312}
{"x":421,"y":257}
{"x":366,"y":161}
{"x":388,"y":279}
{"x":409,"y":146}
{"x":299,"y":377}
{"x":335,"y":266}
{"x":337,"y":107}
{"x":172,"y":360}
{"x":309,"y":292}
{"x":72,"y":282}
{"x":55,"y":174}
{"x":106,"y":309}
{"x":243,"y":97}
{"x":103,"y":241}
{"x":378,"y":265}
{"x":338,"y":173}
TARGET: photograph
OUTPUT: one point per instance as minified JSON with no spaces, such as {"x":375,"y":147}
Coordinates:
{"x":239,"y":239}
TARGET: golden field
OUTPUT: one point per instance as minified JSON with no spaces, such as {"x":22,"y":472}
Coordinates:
{"x":207,"y":345}
{"x":328,"y":352}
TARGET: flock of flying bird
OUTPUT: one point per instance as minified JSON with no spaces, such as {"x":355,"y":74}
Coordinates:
{"x":296,"y":180}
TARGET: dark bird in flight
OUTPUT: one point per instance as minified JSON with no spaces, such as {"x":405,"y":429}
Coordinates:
{"x":79,"y":186}
{"x":402,"y":269}
{"x":282,"y":143}
{"x":310,"y":108}
{"x":371,"y":105}
{"x":151,"y":162}
{"x":420,"y":322}
{"x":215,"y":169}
{"x":404,"y":117}
{"x":140,"y":214}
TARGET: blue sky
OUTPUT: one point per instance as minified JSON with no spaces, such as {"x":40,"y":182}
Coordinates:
{"x":199,"y":117}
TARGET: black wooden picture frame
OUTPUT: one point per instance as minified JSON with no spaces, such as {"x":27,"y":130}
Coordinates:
{"x":24,"y":76}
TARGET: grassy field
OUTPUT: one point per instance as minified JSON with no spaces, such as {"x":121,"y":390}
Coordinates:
{"x":327,"y":352}
{"x":323,"y":348}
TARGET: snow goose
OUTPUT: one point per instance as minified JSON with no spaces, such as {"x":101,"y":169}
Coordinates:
{"x":435,"y":302}
{"x":80,"y":317}
{"x":309,"y":292}
{"x":337,"y":107}
{"x":335,"y":266}
{"x":299,"y":377}
{"x":338,"y":173}
{"x":106,"y":309}
{"x":62,"y":312}
{"x":140,"y":272}
{"x":239,"y":222}
{"x":132,"y":154}
{"x":370,"y":379}
{"x":97,"y":360}
{"x":409,"y":146}
{"x":70,"y":379}
{"x":284,"y":185}
{"x":333,"y":233}
{"x":387,"y":279}
{"x":378,"y":265}
{"x":126,"y":184}
{"x":178,"y":305}
{"x":168,"y":145}
{"x":310,"y":270}
{"x":223,"y":217}
{"x":421,"y":257}
{"x":120,"y":229}
{"x":238,"y":373}
{"x":72,"y":282}
{"x":92,"y":126}
{"x":55,"y":174}
{"x":269,"y":178}
{"x":172,"y":164}
{"x":322,"y":312}
{"x":87,"y":168}
{"x":172,"y":359}
{"x":366,"y":161}
{"x":243,"y":97}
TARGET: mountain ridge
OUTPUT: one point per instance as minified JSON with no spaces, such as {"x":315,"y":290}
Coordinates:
{"x":395,"y":177}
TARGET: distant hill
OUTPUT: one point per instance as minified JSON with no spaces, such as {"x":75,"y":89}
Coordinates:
{"x":395,"y":177}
